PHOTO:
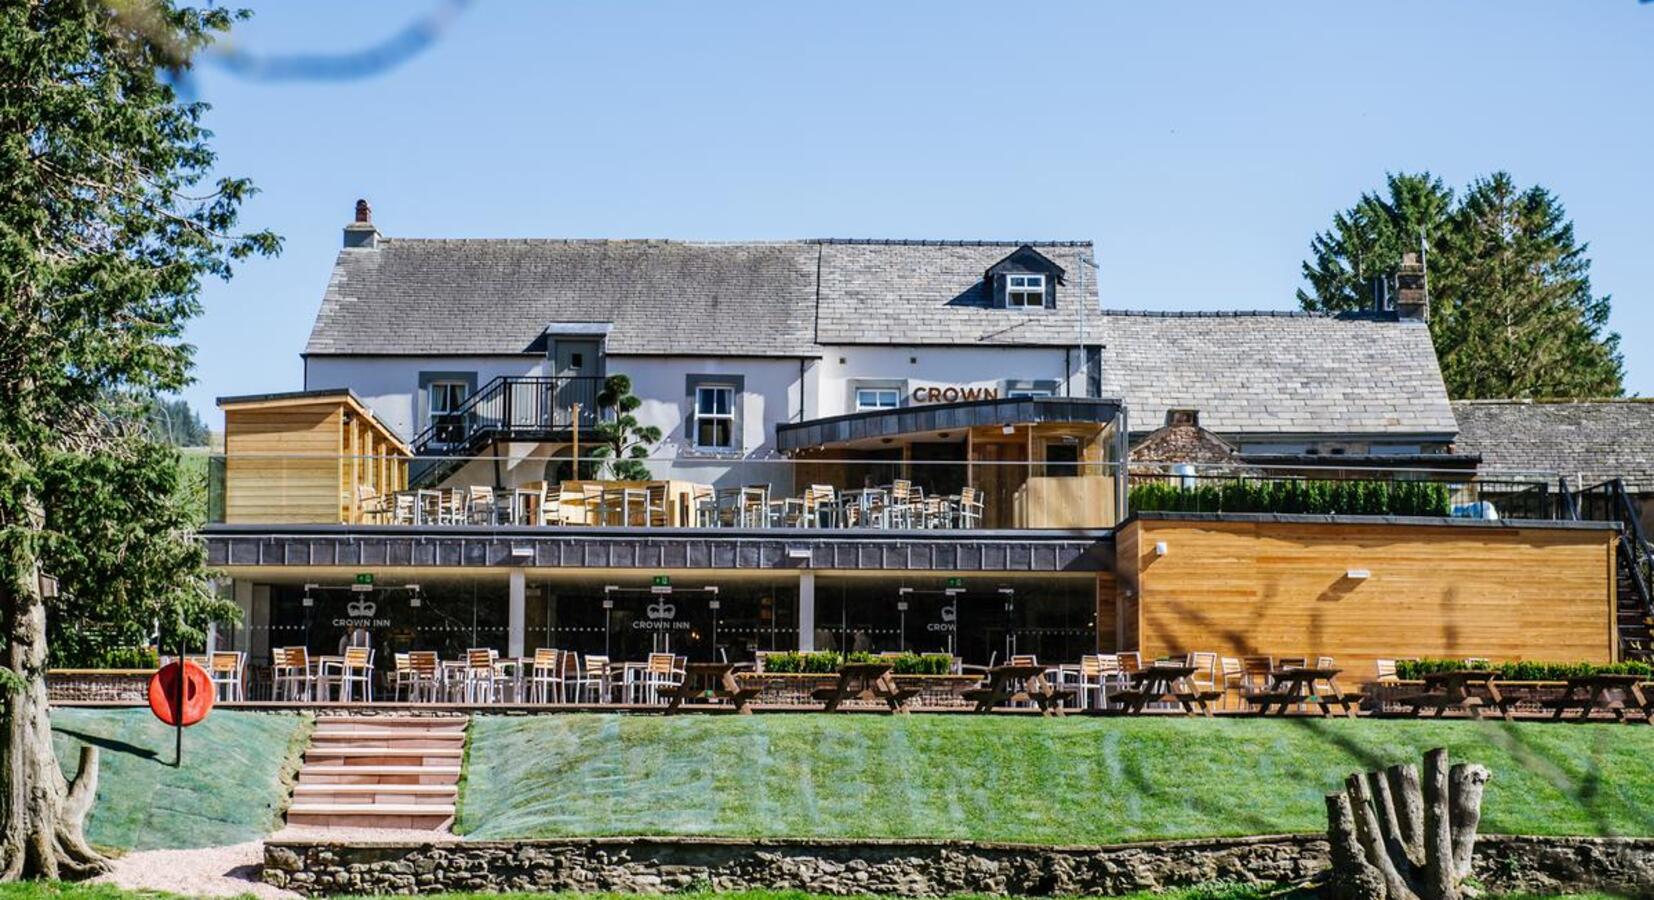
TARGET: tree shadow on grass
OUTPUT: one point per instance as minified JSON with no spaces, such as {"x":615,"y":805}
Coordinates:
{"x":105,"y":743}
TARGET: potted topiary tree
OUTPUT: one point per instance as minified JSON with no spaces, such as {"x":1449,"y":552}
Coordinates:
{"x":618,"y":438}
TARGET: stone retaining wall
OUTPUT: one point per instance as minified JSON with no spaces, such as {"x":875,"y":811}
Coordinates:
{"x":98,"y":685}
{"x":908,"y":868}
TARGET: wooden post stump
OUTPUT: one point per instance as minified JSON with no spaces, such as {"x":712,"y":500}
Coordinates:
{"x":1396,"y":836}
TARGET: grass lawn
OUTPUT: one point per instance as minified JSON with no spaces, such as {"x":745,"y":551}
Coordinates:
{"x":230,"y":789}
{"x":1017,"y":779}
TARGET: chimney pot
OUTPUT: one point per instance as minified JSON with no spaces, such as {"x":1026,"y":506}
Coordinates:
{"x":361,"y":233}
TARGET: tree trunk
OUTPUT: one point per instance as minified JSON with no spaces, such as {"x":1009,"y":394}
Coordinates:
{"x":41,"y":815}
{"x":1396,"y":836}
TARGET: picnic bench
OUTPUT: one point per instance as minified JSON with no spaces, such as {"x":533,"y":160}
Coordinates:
{"x":1588,"y":693}
{"x":711,"y":680}
{"x":1444,"y":691}
{"x":1296,"y":685}
{"x":1018,"y":684}
{"x":1164,"y":682}
{"x":865,"y":681}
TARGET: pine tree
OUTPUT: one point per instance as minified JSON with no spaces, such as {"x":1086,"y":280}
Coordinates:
{"x":106,"y":232}
{"x":1511,"y":308}
{"x":1356,"y":258}
{"x":1516,"y":316}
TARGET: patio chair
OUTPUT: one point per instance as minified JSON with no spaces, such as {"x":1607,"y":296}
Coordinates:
{"x":1024,"y":659}
{"x":290,"y":675}
{"x":595,"y":677}
{"x":1205,"y":674}
{"x":1387,"y":673}
{"x":357,"y":671}
{"x":1088,"y":681}
{"x":483,"y":679}
{"x":654,"y":505}
{"x":549,"y":511}
{"x":546,"y":676}
{"x":402,"y":677}
{"x":591,"y":499}
{"x":481,"y":506}
{"x":1257,"y":673}
{"x":427,"y":674}
{"x":1130,"y":661}
{"x":403,"y":508}
{"x":905,"y":506}
{"x":704,"y":500}
{"x":661,"y":671}
{"x":1293,"y":662}
{"x":225,"y":670}
{"x":1232,"y":677}
{"x":820,"y":501}
{"x":970,"y":507}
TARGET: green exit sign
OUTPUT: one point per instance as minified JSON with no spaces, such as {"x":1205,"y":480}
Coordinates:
{"x":364,"y":578}
{"x":956,"y":582}
{"x":662,"y":581}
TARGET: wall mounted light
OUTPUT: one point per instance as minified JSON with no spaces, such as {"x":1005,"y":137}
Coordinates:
{"x":1159,"y":548}
{"x":1358,"y":574}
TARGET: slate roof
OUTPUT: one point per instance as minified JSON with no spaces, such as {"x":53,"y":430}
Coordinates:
{"x":468,"y":297}
{"x":932,"y":292}
{"x":1592,"y":440}
{"x":1280,"y":373}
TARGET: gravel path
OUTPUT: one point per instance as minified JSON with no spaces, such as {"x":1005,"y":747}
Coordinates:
{"x":232,"y":871}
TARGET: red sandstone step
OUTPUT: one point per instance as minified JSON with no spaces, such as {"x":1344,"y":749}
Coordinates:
{"x":398,"y":752}
{"x":364,"y":774}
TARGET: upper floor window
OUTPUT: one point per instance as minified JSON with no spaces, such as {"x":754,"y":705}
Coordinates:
{"x":1023,"y":291}
{"x":877,"y":398}
{"x":1026,"y":393}
{"x":715,"y":417}
{"x":445,"y":396}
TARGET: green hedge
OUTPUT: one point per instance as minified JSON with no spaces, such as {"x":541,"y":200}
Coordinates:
{"x":826,"y":662}
{"x":1376,"y":498}
{"x":111,"y":658}
{"x":1523,"y":671}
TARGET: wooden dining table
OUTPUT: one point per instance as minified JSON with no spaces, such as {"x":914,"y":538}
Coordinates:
{"x":1163,"y":682}
{"x":1444,"y":691}
{"x":865,"y":681}
{"x":1617,"y":694}
{"x":1018,"y":684}
{"x":709,"y":680}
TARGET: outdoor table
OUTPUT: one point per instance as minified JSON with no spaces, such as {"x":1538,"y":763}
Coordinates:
{"x":524,"y":506}
{"x":320,"y":667}
{"x":864,"y":501}
{"x":865,"y":681}
{"x":1163,"y":681}
{"x":709,"y":679}
{"x":1591,"y":692}
{"x":1016,"y":684}
{"x":1294,"y":685}
{"x":1452,"y":690}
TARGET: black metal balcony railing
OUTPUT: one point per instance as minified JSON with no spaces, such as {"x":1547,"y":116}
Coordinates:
{"x":514,"y":408}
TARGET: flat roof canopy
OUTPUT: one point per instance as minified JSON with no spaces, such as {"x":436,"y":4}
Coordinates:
{"x":932,"y":417}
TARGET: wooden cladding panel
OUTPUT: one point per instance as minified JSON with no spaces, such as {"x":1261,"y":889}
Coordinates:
{"x":281,"y":466}
{"x":1127,"y":619}
{"x":1433,"y":591}
{"x":1107,"y":613}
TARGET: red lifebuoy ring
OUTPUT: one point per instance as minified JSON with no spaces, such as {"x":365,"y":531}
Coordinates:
{"x":163,"y":694}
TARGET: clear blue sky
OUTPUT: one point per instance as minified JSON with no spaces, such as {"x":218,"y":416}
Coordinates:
{"x":1200,"y":144}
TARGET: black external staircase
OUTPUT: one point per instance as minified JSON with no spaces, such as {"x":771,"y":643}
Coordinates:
{"x":509,"y":408}
{"x":1611,"y":502}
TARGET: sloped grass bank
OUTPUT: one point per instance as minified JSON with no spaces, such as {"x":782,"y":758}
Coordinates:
{"x":1068,"y":781}
{"x":230,"y":788}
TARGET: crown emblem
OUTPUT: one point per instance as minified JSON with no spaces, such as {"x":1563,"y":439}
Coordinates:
{"x":660,"y":609}
{"x":950,"y":612}
{"x":361,"y":609}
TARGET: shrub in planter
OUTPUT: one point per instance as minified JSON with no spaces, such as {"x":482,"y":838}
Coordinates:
{"x":1412,"y":669}
{"x":1375,"y":498}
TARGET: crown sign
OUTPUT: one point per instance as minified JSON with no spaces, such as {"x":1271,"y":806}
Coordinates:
{"x":660,"y":609}
{"x":950,"y":613}
{"x":361,"y":609}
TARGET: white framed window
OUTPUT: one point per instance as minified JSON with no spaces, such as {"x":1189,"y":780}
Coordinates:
{"x":1026,"y":393}
{"x":877,"y":398}
{"x":715,"y":417}
{"x":444,"y":397}
{"x":1025,"y":291}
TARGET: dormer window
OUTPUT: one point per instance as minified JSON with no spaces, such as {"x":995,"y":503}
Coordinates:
{"x":1025,"y":291}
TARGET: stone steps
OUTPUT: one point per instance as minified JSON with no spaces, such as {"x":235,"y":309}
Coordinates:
{"x":380,"y":772}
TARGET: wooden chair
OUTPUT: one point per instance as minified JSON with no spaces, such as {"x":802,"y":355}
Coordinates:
{"x":1203,"y":681}
{"x":820,"y":500}
{"x":225,"y":670}
{"x":290,"y":675}
{"x":971,"y":507}
{"x":1387,"y":673}
{"x":482,"y":678}
{"x":549,"y":511}
{"x":481,"y":506}
{"x":661,"y":671}
{"x":1292,"y":662}
{"x":1232,"y":678}
{"x":1089,"y":680}
{"x":546,"y":676}
{"x":1257,"y":673}
{"x":357,"y":670}
{"x":427,"y":674}
{"x":596,"y":678}
{"x":704,"y":501}
{"x":403,"y":508}
{"x":654,"y":505}
{"x":402,"y":677}
{"x":591,"y":499}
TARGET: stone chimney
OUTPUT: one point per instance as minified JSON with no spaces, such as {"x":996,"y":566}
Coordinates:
{"x":1412,"y":291}
{"x":361,"y":233}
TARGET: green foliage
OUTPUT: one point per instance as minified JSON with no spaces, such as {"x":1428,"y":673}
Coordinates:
{"x":619,"y":437}
{"x":117,"y":658}
{"x":1374,"y":498}
{"x":111,"y":217}
{"x":1511,"y":308}
{"x":173,"y":422}
{"x":827,"y":662}
{"x":1523,"y":671}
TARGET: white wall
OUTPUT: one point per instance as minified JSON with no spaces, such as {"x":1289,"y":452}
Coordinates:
{"x":390,"y":384}
{"x":772,"y":390}
{"x":914,"y":367}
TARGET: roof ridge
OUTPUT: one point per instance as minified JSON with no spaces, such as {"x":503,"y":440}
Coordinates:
{"x":777,"y":242}
{"x":1357,"y":316}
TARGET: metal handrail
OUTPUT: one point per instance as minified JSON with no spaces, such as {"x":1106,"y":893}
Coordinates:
{"x":508,"y":403}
